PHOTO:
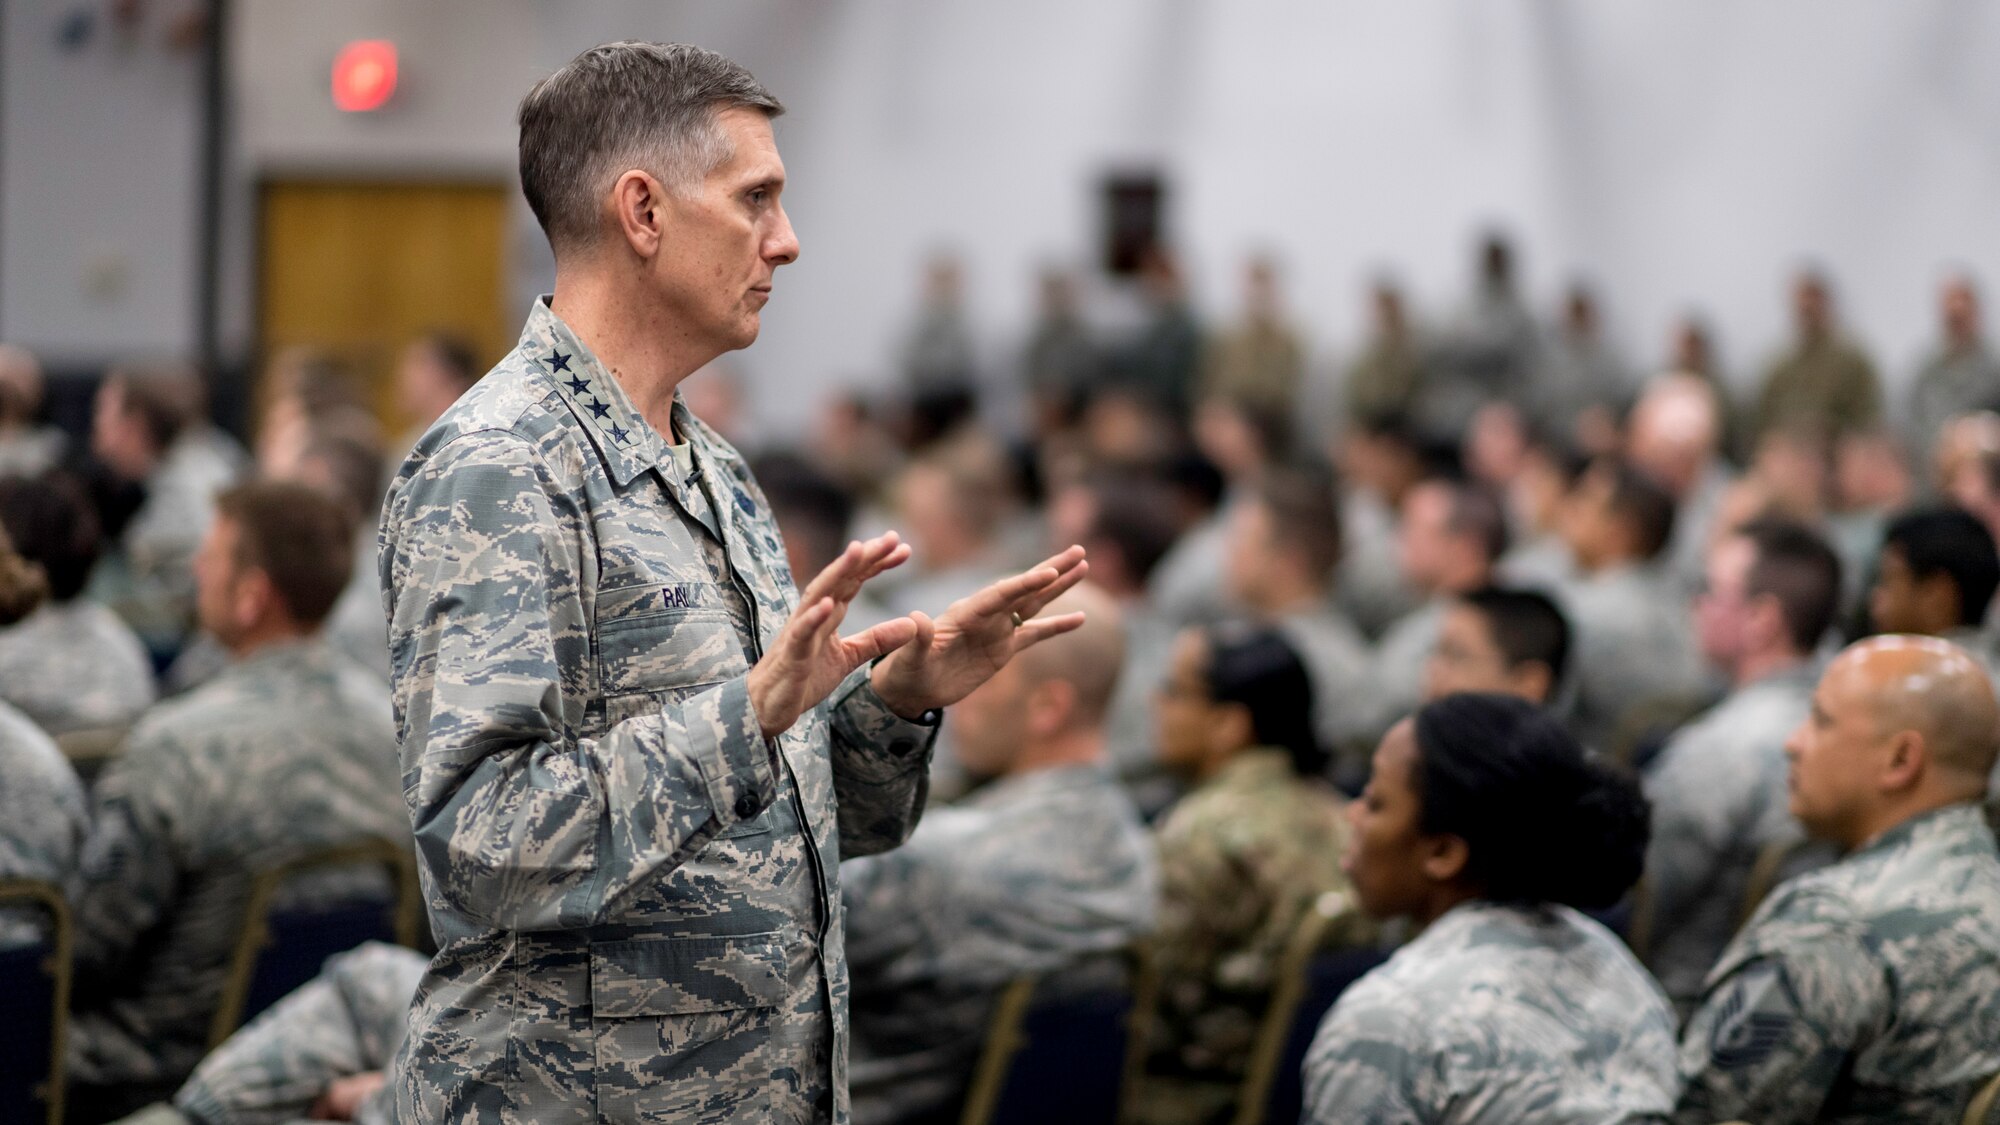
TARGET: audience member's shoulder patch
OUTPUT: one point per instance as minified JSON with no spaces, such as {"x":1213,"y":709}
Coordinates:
{"x":1746,"y":1032}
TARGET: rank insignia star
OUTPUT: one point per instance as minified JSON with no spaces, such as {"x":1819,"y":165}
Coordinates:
{"x":576,"y":383}
{"x":600,"y":409}
{"x":558,"y":361}
{"x":620,"y":435}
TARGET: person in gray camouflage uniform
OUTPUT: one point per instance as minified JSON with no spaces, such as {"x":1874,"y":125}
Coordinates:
{"x":1869,"y":991}
{"x":288,"y":750}
{"x":42,"y":813}
{"x":1486,"y":823}
{"x":1039,"y":868}
{"x":633,"y":754}
{"x":1718,"y":786}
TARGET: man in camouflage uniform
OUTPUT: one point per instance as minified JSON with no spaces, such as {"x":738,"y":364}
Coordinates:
{"x":42,"y":818}
{"x":1869,"y":991}
{"x":1825,"y":385}
{"x":289,"y":750}
{"x":1718,"y":786}
{"x":1041,"y":867}
{"x":632,"y":753}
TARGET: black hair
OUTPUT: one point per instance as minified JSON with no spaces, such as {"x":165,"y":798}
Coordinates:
{"x":1304,"y":502}
{"x":1644,"y":504}
{"x":1527,"y":626}
{"x":1541,"y":820}
{"x":1190,"y":474}
{"x":1795,"y":566}
{"x":53,"y":524}
{"x":1953,"y":543}
{"x":1477,"y":511}
{"x":1258,"y":668}
{"x":808,"y":502}
{"x":1135,"y":516}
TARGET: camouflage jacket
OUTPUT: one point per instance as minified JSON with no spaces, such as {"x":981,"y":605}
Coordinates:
{"x":288,"y":750}
{"x":75,"y":666}
{"x":1242,"y":859}
{"x":1863,"y":992}
{"x":635,"y":895}
{"x":350,"y":1019}
{"x":1718,"y":794}
{"x":42,"y":818}
{"x":1029,"y":874}
{"x":1498,"y":1014}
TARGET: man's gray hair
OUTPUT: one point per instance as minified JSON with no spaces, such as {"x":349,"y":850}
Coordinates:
{"x":621,"y":106}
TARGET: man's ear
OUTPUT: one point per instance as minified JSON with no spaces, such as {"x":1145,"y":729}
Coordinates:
{"x":255,"y":599}
{"x":1907,"y":760}
{"x":638,"y":208}
{"x":1445,"y":857}
{"x":1050,"y":705}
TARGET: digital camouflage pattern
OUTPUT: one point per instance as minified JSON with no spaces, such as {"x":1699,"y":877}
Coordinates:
{"x":348,"y":1020}
{"x":288,"y":750}
{"x":74,"y":666}
{"x":1498,"y":1014}
{"x":1030,"y":874}
{"x":42,"y":819}
{"x":1719,"y":796}
{"x":636,"y":897}
{"x":1868,"y":991}
{"x":1632,"y":643}
{"x":1243,"y":858}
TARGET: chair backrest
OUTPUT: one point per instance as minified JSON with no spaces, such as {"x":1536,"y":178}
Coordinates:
{"x":1055,"y":1054}
{"x":1305,"y":984}
{"x":277,"y":950}
{"x":1984,"y":1108}
{"x":35,"y":981}
{"x":1644,"y":726}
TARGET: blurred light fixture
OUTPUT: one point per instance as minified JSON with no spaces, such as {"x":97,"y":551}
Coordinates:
{"x":364,"y":75}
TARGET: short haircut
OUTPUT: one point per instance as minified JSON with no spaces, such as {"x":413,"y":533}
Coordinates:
{"x":453,"y":354}
{"x":353,"y":466}
{"x":1136,"y":517}
{"x":1255,"y":666}
{"x":1643,"y":504}
{"x":1477,"y":511}
{"x":808,"y":505}
{"x":1795,"y":566}
{"x":1953,"y":543}
{"x":53,"y":525}
{"x":1304,"y":506}
{"x":1527,"y":627}
{"x":157,"y":401}
{"x":623,"y":106}
{"x":300,"y":537}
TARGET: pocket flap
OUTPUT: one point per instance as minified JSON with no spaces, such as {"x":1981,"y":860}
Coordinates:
{"x":678,"y":976}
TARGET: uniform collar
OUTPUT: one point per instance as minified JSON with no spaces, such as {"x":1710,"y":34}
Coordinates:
{"x":625,"y":442}
{"x":1962,"y":817}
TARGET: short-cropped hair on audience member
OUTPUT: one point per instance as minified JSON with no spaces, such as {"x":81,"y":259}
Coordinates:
{"x":53,"y":525}
{"x":1135,"y":516}
{"x":1256,"y":668}
{"x":1477,"y":511}
{"x":1542,"y":821}
{"x":1795,"y":566}
{"x":453,"y":354}
{"x":1527,"y":627}
{"x":807,"y":502}
{"x":354,"y":467}
{"x":158,"y":401}
{"x":1951,"y":542}
{"x":1643,"y":504}
{"x":1304,"y":507}
{"x":301,"y":538}
{"x":1191,"y":475}
{"x":620,"y":107}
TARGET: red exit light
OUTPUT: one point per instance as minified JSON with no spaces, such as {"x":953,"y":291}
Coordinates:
{"x":364,"y":75}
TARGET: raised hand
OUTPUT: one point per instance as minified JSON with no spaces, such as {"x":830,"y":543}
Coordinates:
{"x":810,"y":657}
{"x":976,"y":637}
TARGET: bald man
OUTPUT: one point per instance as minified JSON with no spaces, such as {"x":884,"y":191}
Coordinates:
{"x":1675,"y":436}
{"x":1869,"y":991}
{"x":1043,"y":866}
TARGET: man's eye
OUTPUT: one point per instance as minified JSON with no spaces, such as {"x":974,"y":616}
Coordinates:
{"x":758,"y":196}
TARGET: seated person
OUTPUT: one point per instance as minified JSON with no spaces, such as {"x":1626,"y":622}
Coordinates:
{"x":42,"y":812}
{"x":1039,"y":869}
{"x":1504,"y":641}
{"x":1718,"y":786}
{"x":1284,"y":545}
{"x":1869,"y":991}
{"x":292,"y":748}
{"x":1452,"y":535}
{"x":1934,"y":576}
{"x":1243,"y":858}
{"x":1632,"y":638}
{"x":1486,"y":823}
{"x":72,"y":664}
{"x":320,"y":1053}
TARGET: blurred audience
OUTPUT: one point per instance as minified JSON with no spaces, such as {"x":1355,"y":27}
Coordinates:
{"x":1259,"y":363}
{"x":42,"y":813}
{"x":28,"y":445}
{"x":1935,"y":577}
{"x":1453,"y":533}
{"x":1825,"y":384}
{"x":1675,"y":436}
{"x":1387,"y":379}
{"x":1960,"y":376}
{"x":1500,"y":641}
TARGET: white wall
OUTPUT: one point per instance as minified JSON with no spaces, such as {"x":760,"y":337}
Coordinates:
{"x":99,"y":169}
{"x":1685,"y":155}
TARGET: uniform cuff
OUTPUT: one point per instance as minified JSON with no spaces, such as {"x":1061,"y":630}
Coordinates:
{"x":738,"y":765}
{"x":892,"y":745}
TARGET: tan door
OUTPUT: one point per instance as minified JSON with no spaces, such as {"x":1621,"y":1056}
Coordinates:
{"x":359,"y":269}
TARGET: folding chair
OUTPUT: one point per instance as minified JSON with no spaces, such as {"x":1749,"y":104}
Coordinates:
{"x":1070,"y":1057}
{"x":278,"y":950}
{"x":1984,"y":1108}
{"x":35,"y":980}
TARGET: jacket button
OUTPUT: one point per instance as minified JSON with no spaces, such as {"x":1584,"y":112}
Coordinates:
{"x":746,"y":806}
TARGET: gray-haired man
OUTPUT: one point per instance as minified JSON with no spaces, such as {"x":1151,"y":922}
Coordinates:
{"x":633,"y":754}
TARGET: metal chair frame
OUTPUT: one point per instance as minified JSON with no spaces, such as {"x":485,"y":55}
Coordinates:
{"x":1006,"y":1035}
{"x":60,"y":967}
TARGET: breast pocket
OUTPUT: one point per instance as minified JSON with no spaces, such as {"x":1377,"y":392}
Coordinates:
{"x":666,"y":639}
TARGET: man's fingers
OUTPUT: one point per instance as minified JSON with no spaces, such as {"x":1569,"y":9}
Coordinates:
{"x":1005,"y":595}
{"x":861,"y":561}
{"x":1036,"y":601}
{"x":880,"y":640}
{"x":824,"y":582}
{"x":1041,"y":629}
{"x":803,"y":632}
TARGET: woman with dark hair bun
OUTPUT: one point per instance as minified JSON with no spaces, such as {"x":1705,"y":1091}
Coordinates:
{"x":1243,"y":857}
{"x":1487,"y":825}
